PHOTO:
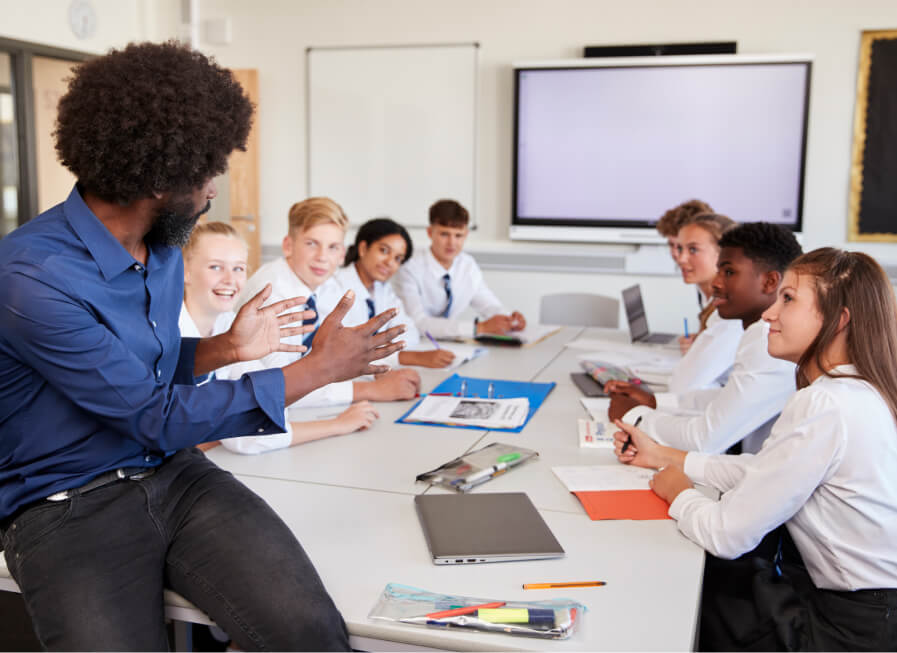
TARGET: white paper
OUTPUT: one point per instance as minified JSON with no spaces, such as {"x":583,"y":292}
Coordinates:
{"x":471,"y":411}
{"x":595,"y":434}
{"x":464,"y":353}
{"x":597,"y":407}
{"x":604,"y":477}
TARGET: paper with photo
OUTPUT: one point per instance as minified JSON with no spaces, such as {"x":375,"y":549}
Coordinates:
{"x":471,"y":411}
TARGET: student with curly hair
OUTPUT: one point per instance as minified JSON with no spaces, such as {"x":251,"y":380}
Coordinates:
{"x":671,"y":221}
{"x":826,"y":473}
{"x":752,"y":259}
{"x":104,"y":499}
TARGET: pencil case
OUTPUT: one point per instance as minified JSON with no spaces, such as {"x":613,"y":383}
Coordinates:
{"x":553,"y":619}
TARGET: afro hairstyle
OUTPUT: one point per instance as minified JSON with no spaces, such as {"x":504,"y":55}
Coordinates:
{"x":153,"y":117}
{"x":771,"y":245}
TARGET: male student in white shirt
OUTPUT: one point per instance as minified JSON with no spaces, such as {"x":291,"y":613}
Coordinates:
{"x":752,"y":261}
{"x":312,"y":250}
{"x":439,"y":283}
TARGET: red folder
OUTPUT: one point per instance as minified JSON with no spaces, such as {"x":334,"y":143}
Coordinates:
{"x":623,"y":504}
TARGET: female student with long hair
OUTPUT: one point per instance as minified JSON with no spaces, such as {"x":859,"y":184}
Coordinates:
{"x":215,"y":270}
{"x":381,"y":246}
{"x":826,"y":472}
{"x":710,"y":352}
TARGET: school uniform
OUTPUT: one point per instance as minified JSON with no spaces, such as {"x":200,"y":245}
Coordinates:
{"x":827,"y":472}
{"x":286,"y":285}
{"x":369,"y":303}
{"x":251,"y":444}
{"x":714,"y":419}
{"x":708,"y":362}
{"x":435,"y":297}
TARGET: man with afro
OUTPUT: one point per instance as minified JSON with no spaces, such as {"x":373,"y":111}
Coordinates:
{"x":103,"y":497}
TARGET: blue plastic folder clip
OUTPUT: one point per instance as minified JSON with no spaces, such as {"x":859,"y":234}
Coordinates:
{"x":534,"y":392}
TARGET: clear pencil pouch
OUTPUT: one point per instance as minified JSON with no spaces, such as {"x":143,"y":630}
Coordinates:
{"x":554,"y":619}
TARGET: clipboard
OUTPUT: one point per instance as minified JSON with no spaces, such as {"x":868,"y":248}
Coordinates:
{"x":474,"y":387}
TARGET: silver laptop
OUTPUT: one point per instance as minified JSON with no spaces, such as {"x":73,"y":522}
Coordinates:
{"x":489,"y":527}
{"x":638,"y":321}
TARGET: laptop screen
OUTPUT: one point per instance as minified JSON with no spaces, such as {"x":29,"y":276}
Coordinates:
{"x":635,"y":312}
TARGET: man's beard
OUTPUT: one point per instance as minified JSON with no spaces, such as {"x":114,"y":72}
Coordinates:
{"x":174,"y":223}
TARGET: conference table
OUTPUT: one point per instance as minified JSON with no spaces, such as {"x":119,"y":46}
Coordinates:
{"x":349,"y":500}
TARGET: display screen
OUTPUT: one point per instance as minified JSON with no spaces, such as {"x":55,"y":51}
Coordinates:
{"x":617,"y":146}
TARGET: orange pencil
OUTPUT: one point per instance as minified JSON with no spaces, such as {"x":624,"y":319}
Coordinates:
{"x":548,"y":586}
{"x":468,"y":610}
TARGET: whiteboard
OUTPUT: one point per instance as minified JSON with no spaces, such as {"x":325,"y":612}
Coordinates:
{"x":392,"y":129}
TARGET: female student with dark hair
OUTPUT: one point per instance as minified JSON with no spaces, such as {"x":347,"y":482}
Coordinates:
{"x":710,"y":352}
{"x":381,"y":246}
{"x":826,"y":472}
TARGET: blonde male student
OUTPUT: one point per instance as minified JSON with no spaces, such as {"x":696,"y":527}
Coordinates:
{"x":312,"y":251}
{"x":215,"y":267}
{"x":441,"y":282}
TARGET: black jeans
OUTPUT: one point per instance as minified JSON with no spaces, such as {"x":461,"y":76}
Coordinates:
{"x":92,"y":568}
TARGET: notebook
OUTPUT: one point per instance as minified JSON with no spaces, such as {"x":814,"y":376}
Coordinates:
{"x":638,"y":320}
{"x":489,"y":527}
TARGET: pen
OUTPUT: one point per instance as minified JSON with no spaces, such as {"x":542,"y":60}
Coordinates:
{"x":463,"y":392}
{"x":638,"y":420}
{"x":483,"y":474}
{"x":685,"y":323}
{"x":436,"y":344}
{"x":548,"y":586}
{"x":467,"y":610}
{"x":490,"y":391}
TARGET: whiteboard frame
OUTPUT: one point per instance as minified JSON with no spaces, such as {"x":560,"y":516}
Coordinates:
{"x":473,"y":208}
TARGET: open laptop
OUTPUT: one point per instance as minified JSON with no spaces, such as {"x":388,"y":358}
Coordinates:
{"x":487,"y":527}
{"x":638,"y":321}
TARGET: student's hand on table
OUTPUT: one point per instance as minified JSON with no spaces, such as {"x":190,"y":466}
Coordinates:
{"x":347,"y":352}
{"x":669,"y":482}
{"x":685,"y":343}
{"x":497,"y":324}
{"x":626,"y":396}
{"x":358,"y":417}
{"x":257,"y":332}
{"x":395,"y":385}
{"x":434,"y":358}
{"x":518,"y":322}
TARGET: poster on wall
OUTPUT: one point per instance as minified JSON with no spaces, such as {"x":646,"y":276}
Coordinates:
{"x":872,"y":212}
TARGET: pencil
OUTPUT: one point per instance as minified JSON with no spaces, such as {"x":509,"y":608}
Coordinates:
{"x":548,"y":586}
{"x":470,"y":609}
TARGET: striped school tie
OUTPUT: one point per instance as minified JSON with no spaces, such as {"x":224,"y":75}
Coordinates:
{"x":310,"y":305}
{"x":447,"y":284}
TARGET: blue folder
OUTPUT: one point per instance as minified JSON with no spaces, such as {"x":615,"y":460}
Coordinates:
{"x":534,"y":392}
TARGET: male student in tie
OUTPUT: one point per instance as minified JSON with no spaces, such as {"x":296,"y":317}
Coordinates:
{"x":752,"y":262}
{"x":312,"y":250}
{"x":441,"y":282}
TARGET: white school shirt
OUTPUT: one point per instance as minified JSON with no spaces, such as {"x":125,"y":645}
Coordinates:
{"x":708,"y":362}
{"x":285,"y":285}
{"x":384,"y":298}
{"x":248,"y":444}
{"x":742,"y":410}
{"x":827,"y":471}
{"x":420,"y":284}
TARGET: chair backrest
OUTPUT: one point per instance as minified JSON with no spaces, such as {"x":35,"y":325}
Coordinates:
{"x":580,"y":309}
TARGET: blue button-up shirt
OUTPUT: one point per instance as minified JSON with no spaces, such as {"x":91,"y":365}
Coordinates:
{"x":94,"y":374}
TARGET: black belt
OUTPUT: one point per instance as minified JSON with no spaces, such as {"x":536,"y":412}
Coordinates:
{"x":120,"y":474}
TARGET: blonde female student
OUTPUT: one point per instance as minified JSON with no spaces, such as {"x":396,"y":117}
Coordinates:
{"x":215,"y":270}
{"x":381,"y":247}
{"x":826,"y":472}
{"x":710,"y":353}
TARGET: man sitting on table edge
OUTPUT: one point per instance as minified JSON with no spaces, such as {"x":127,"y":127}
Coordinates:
{"x":752,"y":261}
{"x":103,"y":498}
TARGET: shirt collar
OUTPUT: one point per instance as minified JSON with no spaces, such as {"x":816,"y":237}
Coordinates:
{"x":110,"y":256}
{"x":435,"y":266}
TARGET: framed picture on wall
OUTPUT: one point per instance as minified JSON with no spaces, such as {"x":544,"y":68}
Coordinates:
{"x":872,"y":212}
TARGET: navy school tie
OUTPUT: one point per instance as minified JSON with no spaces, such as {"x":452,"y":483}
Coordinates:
{"x":310,"y":305}
{"x":447,"y":284}
{"x":371,"y":311}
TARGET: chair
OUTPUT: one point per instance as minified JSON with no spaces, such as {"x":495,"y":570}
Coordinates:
{"x":580,"y":309}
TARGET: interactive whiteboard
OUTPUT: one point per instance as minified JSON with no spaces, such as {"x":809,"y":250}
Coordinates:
{"x":392,"y":129}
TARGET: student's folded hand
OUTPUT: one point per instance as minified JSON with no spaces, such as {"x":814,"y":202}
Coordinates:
{"x":669,"y":482}
{"x":518,"y":322}
{"x":358,"y":417}
{"x":497,"y":324}
{"x":627,"y":395}
{"x":395,"y":385}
